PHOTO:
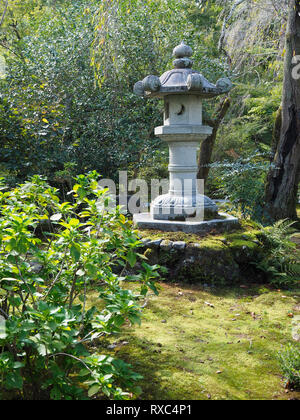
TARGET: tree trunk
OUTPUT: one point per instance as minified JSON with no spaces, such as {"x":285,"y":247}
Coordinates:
{"x":284,"y":175}
{"x":207,"y":145}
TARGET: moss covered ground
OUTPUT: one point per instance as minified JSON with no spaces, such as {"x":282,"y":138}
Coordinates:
{"x":205,"y":343}
{"x":219,"y":343}
{"x":247,"y":230}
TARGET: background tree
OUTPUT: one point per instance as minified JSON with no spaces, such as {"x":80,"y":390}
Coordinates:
{"x":4,"y":6}
{"x":283,"y":179}
{"x":56,"y":120}
{"x":207,"y":145}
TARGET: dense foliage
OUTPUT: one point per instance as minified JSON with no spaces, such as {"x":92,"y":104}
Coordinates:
{"x":67,"y":104}
{"x":289,"y":359}
{"x":279,"y":258}
{"x":49,"y":333}
{"x":242,"y":183}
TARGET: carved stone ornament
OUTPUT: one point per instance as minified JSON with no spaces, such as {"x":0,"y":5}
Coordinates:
{"x":182,"y":79}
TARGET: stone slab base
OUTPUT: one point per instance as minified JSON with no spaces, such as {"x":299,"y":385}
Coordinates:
{"x":146,"y":221}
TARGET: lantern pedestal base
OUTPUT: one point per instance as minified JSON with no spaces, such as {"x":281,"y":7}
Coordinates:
{"x":224,"y":223}
{"x":182,"y":208}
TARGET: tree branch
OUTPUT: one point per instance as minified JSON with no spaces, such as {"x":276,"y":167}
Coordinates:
{"x":4,"y":13}
{"x":226,"y":20}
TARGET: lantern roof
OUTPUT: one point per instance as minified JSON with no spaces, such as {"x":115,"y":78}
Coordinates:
{"x":182,"y":79}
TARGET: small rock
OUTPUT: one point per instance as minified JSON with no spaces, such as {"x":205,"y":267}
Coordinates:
{"x":296,"y":337}
{"x":154,"y":244}
{"x":112,"y":346}
{"x":117,"y":345}
{"x":179,"y":245}
{"x":163,"y":321}
{"x":166,"y":245}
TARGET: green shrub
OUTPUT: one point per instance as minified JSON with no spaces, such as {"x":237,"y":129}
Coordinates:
{"x":289,"y":360}
{"x":280,"y":257}
{"x":55,"y":120}
{"x":47,"y":348}
{"x":242,"y":183}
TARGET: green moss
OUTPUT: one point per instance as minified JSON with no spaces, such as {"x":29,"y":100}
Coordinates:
{"x":248,"y":231}
{"x":243,"y":244}
{"x":171,"y":236}
{"x":239,"y":336}
{"x":247,"y":235}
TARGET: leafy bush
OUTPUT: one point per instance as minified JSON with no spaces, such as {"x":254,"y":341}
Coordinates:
{"x":58,"y":121}
{"x":47,"y":345}
{"x":55,"y":120}
{"x":250,"y":121}
{"x":242,"y":183}
{"x":280,"y":258}
{"x":289,"y":360}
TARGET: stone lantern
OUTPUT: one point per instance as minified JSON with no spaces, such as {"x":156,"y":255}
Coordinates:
{"x":183,"y":90}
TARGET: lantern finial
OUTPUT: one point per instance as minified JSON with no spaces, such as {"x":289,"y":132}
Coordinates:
{"x":182,"y":53}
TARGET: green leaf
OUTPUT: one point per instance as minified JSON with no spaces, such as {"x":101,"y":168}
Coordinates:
{"x":94,"y":390}
{"x":75,"y":252}
{"x":3,"y":333}
{"x":15,"y":301}
{"x":55,"y":394}
{"x":14,"y":380}
{"x":74,"y":222}
{"x":91,"y":269}
{"x":42,"y":349}
{"x":18,"y":365}
{"x":131,"y":258}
